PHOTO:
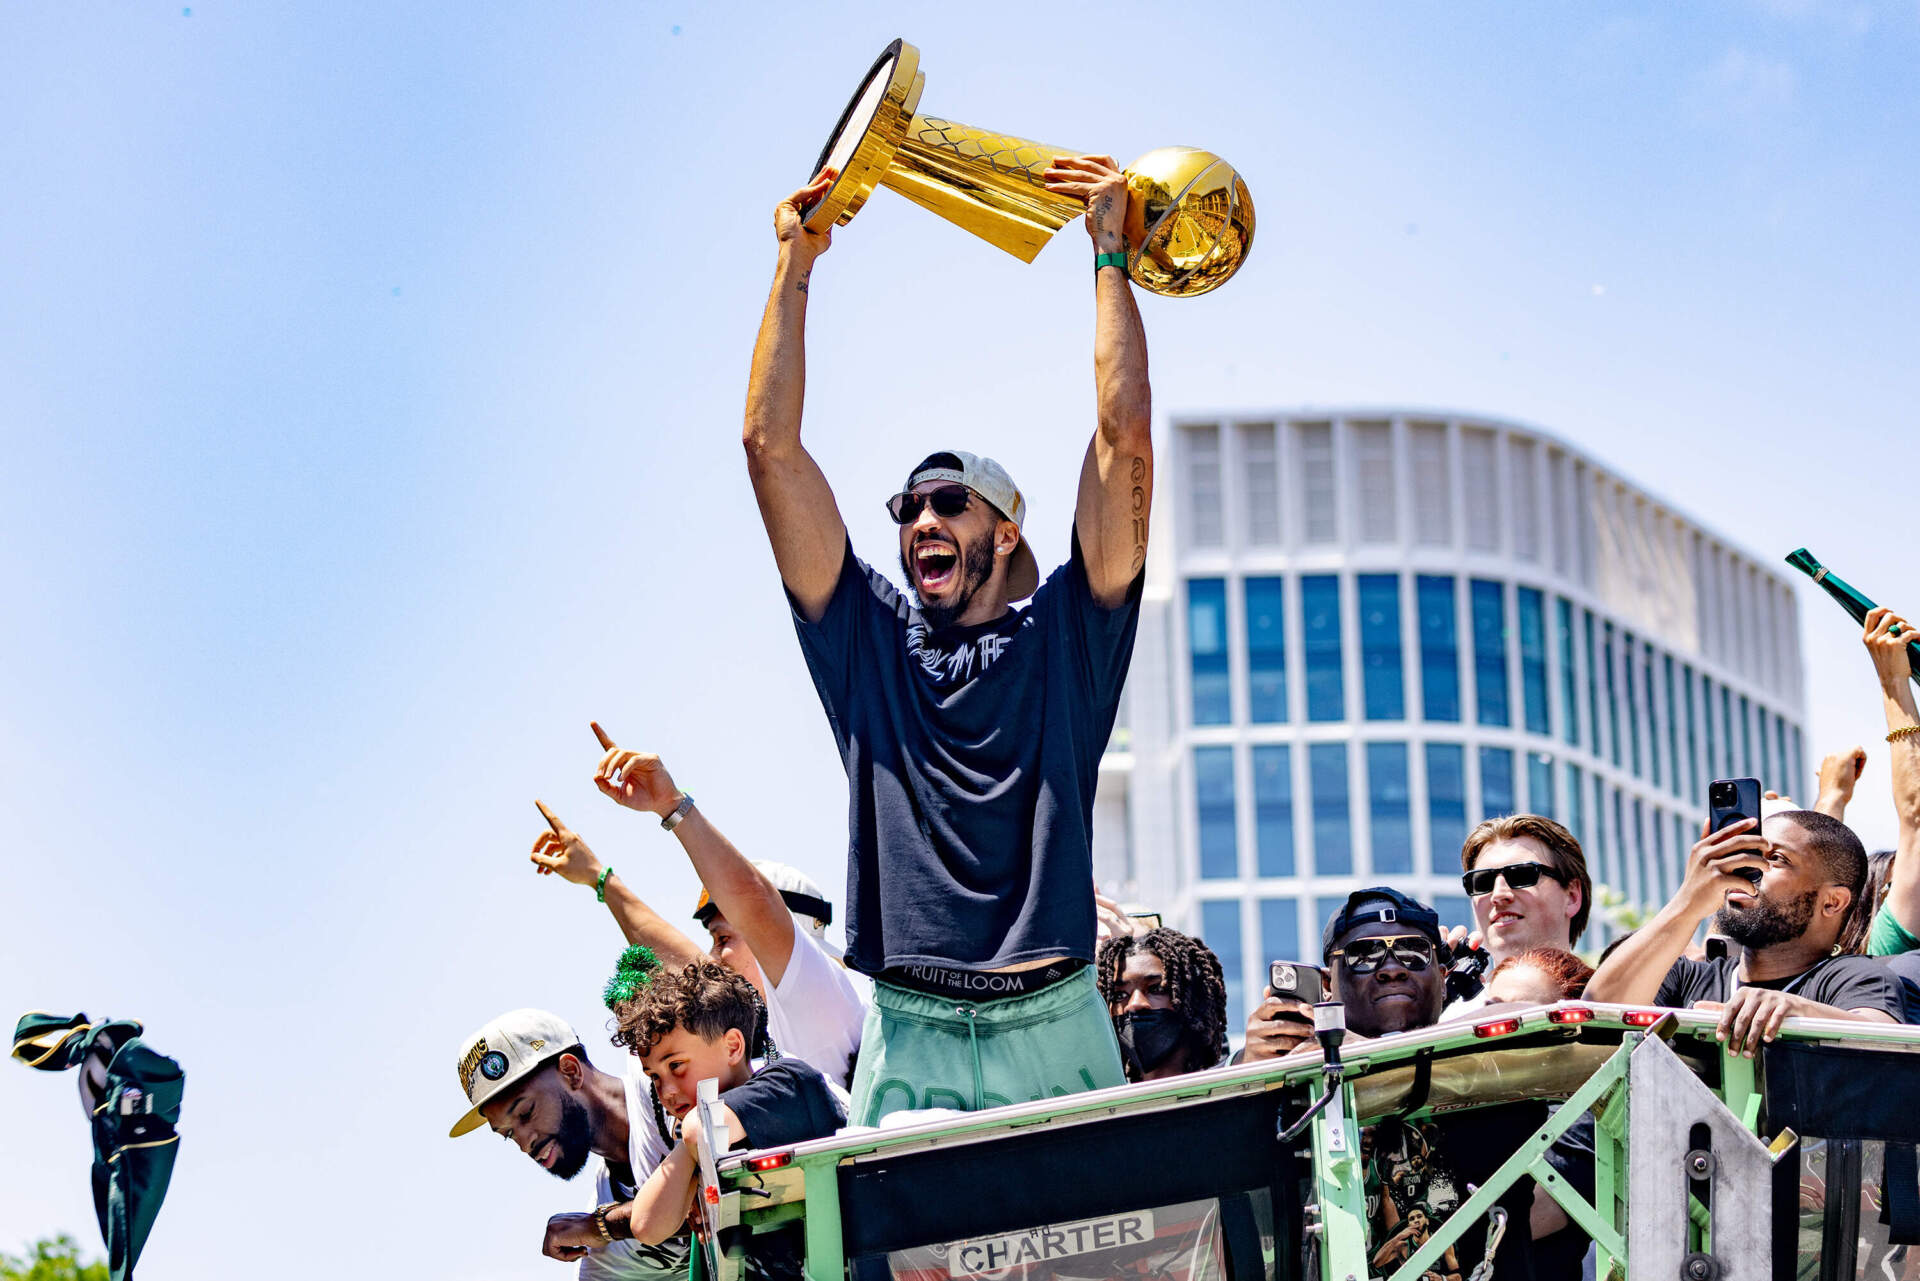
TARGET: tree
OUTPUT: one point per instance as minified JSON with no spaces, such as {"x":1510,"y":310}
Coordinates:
{"x":57,"y":1259}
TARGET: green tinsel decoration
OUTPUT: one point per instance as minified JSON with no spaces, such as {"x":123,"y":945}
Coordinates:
{"x":632,"y":972}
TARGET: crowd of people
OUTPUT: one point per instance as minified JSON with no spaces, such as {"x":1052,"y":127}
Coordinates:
{"x":981,"y":968}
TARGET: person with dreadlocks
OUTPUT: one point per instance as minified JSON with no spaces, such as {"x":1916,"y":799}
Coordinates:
{"x":1168,"y":998}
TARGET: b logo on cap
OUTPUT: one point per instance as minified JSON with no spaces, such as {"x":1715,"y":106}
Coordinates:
{"x":493,"y":1065}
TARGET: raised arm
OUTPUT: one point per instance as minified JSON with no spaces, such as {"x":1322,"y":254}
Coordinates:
{"x":1632,"y":975}
{"x":1886,"y":639}
{"x":803,"y":523}
{"x":747,"y":899}
{"x":1116,"y":480}
{"x":562,"y":853}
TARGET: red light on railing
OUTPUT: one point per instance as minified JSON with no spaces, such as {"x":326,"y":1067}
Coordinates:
{"x":772,"y":1161}
{"x":1496,"y":1027}
{"x":1570,"y":1014}
{"x":1640,"y":1018}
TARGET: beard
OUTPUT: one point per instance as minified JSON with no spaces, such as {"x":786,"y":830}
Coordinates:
{"x":976,"y":566}
{"x":575,"y":1138}
{"x":1767,"y":922}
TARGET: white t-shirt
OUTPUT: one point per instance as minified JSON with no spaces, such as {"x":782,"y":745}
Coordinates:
{"x":646,"y":1149}
{"x":815,"y":1014}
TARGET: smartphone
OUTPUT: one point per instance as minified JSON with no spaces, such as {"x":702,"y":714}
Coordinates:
{"x":1728,"y":801}
{"x":1297,"y":980}
{"x":1148,"y":920}
{"x":1718,"y":947}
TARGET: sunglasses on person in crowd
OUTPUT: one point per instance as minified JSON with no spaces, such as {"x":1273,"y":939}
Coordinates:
{"x":1364,"y":956}
{"x":1519,"y":876}
{"x":947,"y":502}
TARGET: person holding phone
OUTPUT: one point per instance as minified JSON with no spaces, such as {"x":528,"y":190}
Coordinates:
{"x":1810,"y":868}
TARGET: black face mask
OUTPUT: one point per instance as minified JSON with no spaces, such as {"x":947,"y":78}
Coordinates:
{"x":1148,"y":1037}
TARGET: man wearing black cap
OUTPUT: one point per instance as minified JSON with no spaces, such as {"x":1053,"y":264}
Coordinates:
{"x":1388,"y":968}
{"x":971,"y":731}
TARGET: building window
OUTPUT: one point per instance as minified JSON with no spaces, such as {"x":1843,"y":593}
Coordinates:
{"x":1496,"y":782}
{"x":1318,"y":497}
{"x":1219,"y":834}
{"x":1332,"y":821}
{"x":1767,"y":777}
{"x":1220,"y":930}
{"x":1273,"y":809}
{"x":1661,"y":867}
{"x":1633,"y":701}
{"x":1780,"y":742}
{"x":1533,"y":659}
{"x":1388,"y":803}
{"x":1382,"y":683}
{"x":1446,"y":804}
{"x":1712,"y":761}
{"x":1638,"y":834}
{"x":1261,"y":465}
{"x":1569,"y":682}
{"x":1593,"y":687}
{"x":1577,"y":804}
{"x":1651,"y":709}
{"x":1540,"y":784}
{"x":1676,"y":764}
{"x":1620,"y":851}
{"x":1280,"y":929}
{"x":1373,"y":461}
{"x":1489,"y":600}
{"x":1693,"y":737}
{"x":1726,"y":730}
{"x":1454,"y":909}
{"x":1747,"y":763}
{"x":1266,"y":650}
{"x":1612,"y":695}
{"x":1483,"y":484}
{"x":1526,"y":498}
{"x":1433,"y":495}
{"x":1439,"y":649}
{"x":1207,"y":640}
{"x":1320,"y":628}
{"x":1799,"y":761}
{"x":1203,"y":487}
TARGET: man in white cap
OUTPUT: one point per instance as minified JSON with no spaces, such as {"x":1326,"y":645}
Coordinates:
{"x":526,"y":1075}
{"x":971,"y":731}
{"x":767,"y":921}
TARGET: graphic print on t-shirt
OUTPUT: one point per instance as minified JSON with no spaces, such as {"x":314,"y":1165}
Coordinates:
{"x":958,"y":654}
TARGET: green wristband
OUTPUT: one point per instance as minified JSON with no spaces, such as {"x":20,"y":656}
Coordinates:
{"x":1109,"y":260}
{"x":600,"y":886}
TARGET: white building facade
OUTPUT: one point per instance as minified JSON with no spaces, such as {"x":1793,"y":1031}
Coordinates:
{"x":1366,"y":631}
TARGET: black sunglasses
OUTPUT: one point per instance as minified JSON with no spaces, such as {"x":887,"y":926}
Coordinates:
{"x":1364,"y":956}
{"x":947,"y":502}
{"x":1519,"y":876}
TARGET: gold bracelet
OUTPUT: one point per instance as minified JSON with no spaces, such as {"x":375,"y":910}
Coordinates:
{"x":1905,"y":731}
{"x":600,"y":1222}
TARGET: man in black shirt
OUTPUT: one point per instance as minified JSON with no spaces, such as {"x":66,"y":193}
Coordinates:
{"x":1387,"y":964}
{"x":971,"y":732}
{"x":1811,"y":868}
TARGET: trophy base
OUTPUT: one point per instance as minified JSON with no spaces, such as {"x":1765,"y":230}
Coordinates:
{"x":861,"y":147}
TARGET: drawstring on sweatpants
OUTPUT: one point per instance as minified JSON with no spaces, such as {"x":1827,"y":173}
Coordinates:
{"x":969,"y":1013}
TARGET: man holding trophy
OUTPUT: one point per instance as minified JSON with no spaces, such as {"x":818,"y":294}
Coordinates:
{"x":971,"y":731}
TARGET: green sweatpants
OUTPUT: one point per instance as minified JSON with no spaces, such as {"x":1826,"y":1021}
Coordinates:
{"x":921,"y":1051}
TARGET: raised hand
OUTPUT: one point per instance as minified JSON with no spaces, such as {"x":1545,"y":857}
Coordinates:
{"x":636,"y":780}
{"x":561,"y":851}
{"x":1713,"y":865}
{"x":1886,"y":638}
{"x":1097,"y":180}
{"x":789,"y":222}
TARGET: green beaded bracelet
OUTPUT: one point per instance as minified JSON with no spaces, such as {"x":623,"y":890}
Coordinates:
{"x":600,"y":886}
{"x":1109,"y":260}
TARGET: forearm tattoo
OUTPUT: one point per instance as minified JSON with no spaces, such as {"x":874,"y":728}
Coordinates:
{"x":1139,"y":511}
{"x":805,"y":276}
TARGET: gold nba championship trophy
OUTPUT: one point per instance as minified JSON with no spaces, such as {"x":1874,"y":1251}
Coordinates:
{"x":1189,"y":215}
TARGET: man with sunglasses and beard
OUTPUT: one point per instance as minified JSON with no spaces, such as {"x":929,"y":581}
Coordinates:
{"x":971,"y":731}
{"x":1387,"y":966}
{"x":1811,"y":868}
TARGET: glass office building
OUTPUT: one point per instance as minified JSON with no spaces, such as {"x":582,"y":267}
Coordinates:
{"x":1365,"y":632}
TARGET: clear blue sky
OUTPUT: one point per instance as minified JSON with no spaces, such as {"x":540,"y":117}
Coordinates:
{"x":370,"y":379}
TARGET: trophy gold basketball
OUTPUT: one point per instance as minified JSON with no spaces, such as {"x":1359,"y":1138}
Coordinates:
{"x":1189,"y":215}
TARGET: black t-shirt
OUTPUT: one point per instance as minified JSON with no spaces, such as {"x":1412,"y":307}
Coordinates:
{"x":1905,"y":968}
{"x":785,"y":1102}
{"x":1844,"y":982}
{"x":971,"y":757}
{"x":1433,"y":1164}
